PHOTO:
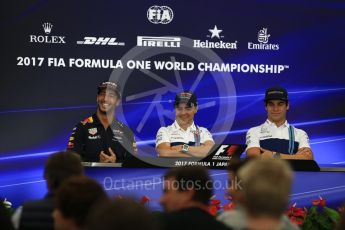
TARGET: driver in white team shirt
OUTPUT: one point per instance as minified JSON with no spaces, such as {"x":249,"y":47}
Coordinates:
{"x":183,"y":138}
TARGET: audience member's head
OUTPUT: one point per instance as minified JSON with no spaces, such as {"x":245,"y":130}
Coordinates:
{"x":124,"y":214}
{"x":60,"y":166}
{"x":74,"y":199}
{"x":341,"y":224}
{"x":266,"y":184}
{"x":5,"y":219}
{"x":234,"y":185}
{"x":186,"y":187}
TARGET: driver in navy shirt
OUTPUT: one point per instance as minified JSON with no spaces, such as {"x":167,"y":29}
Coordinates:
{"x":101,"y":137}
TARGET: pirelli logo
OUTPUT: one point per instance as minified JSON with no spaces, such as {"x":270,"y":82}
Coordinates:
{"x":172,"y":42}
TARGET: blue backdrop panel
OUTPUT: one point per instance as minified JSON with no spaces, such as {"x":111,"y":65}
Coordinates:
{"x":42,"y":99}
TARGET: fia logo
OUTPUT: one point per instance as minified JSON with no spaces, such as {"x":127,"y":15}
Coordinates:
{"x":263,"y":36}
{"x":47,"y":27}
{"x":160,"y":14}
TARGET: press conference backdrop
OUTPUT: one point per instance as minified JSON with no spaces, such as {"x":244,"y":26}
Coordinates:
{"x":55,"y":53}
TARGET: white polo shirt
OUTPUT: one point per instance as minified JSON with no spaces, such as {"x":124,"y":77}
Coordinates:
{"x":271,"y":137}
{"x":175,"y":135}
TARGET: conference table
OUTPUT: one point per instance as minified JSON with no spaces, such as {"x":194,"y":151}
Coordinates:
{"x":328,"y":183}
{"x":21,"y":181}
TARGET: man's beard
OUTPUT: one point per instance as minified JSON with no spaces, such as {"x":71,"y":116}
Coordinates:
{"x":104,"y":112}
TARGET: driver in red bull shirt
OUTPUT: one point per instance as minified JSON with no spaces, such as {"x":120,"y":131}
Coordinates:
{"x":101,"y":137}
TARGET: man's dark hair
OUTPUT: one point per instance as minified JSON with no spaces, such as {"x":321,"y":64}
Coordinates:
{"x":5,"y":217}
{"x":192,"y":178}
{"x":186,"y":97}
{"x":286,"y":102}
{"x":236,"y":163}
{"x":60,"y":166}
{"x":341,"y":223}
{"x":124,"y":214}
{"x":76,"y":197}
{"x":108,"y":85}
{"x":276,"y":93}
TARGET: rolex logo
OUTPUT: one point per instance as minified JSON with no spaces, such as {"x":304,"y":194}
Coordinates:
{"x":47,"y":26}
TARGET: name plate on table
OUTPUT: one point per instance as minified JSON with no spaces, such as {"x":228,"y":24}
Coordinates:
{"x":98,"y":164}
{"x":218,"y":158}
{"x":304,"y":165}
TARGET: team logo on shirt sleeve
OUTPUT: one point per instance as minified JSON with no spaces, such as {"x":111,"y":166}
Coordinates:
{"x":135,"y":148}
{"x":70,"y":145}
{"x":159,"y":137}
{"x":87,"y":120}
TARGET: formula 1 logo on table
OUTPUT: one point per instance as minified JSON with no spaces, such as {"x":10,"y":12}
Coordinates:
{"x":47,"y":28}
{"x":160,"y":14}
